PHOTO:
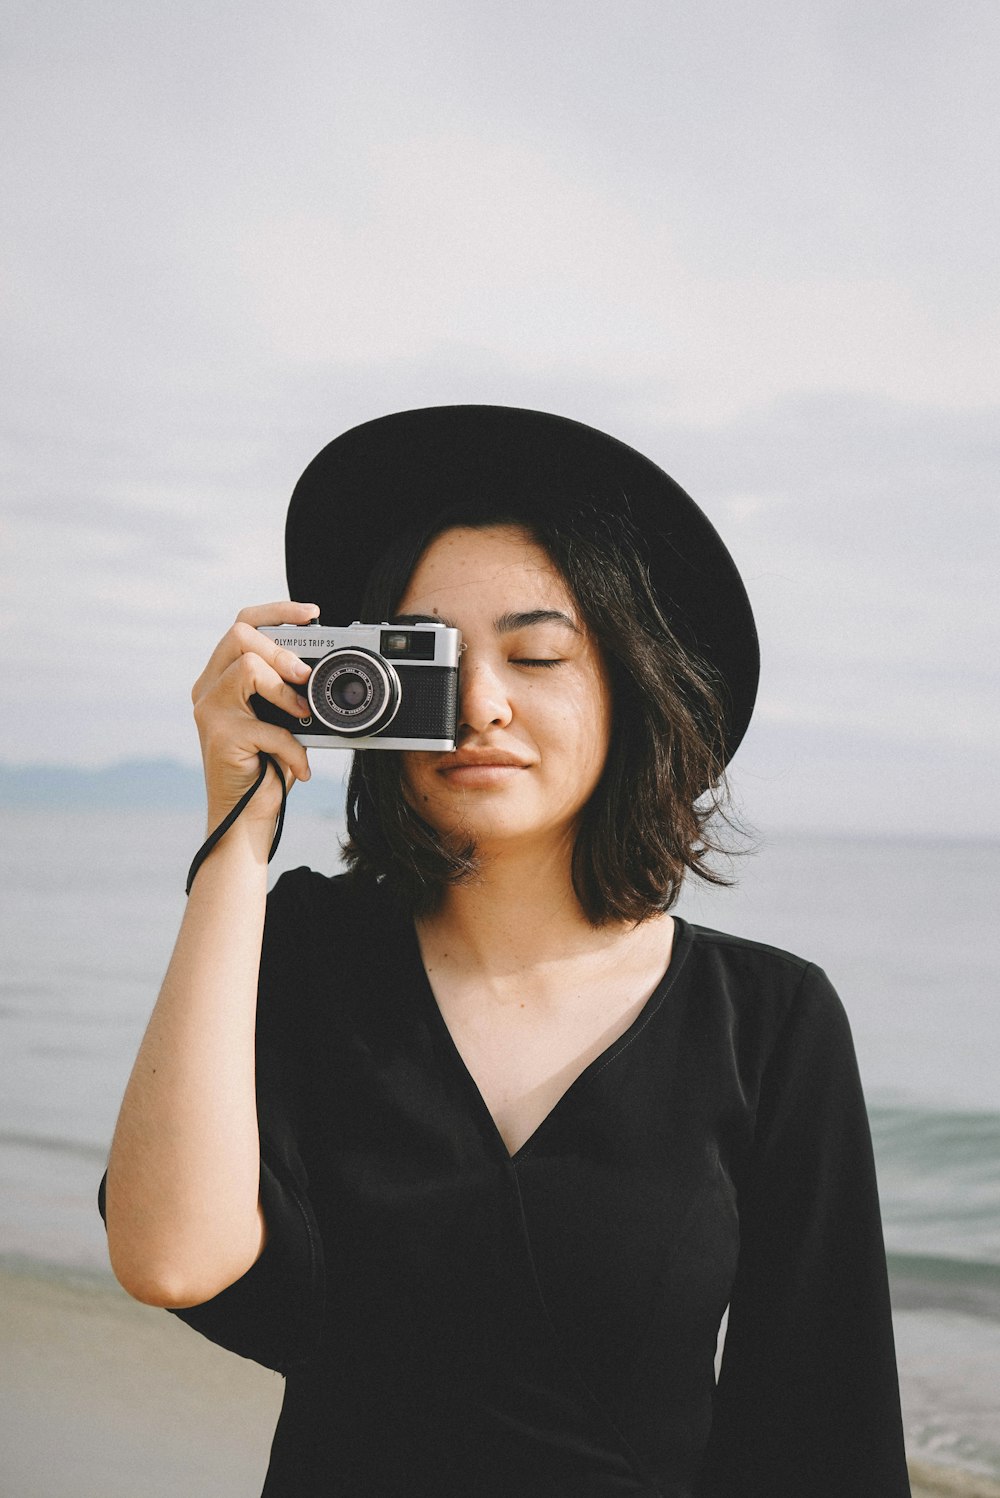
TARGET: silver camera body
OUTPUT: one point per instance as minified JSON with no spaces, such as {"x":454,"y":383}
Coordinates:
{"x":373,"y":686}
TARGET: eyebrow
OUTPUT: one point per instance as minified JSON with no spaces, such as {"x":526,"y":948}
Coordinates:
{"x":506,"y":624}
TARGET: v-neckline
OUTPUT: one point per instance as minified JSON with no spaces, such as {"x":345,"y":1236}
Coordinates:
{"x":680,"y":946}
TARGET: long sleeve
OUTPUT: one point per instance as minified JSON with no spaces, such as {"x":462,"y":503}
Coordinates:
{"x":807,"y":1401}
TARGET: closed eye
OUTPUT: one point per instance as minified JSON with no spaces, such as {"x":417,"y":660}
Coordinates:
{"x":524,"y":661}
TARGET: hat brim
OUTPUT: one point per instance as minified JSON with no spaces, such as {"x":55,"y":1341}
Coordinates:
{"x":406,"y":468}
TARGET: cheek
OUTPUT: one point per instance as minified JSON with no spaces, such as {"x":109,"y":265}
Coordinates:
{"x":583,"y":730}
{"x":595,"y":751}
{"x":416,"y":779}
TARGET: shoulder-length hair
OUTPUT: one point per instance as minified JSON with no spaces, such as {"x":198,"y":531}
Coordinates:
{"x":650,"y":818}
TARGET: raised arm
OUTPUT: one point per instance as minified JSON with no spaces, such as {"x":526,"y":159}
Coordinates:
{"x":182,"y":1207}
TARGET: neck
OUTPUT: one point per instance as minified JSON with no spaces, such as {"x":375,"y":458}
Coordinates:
{"x":520,"y":909}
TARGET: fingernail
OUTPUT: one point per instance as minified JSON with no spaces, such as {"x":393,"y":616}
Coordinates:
{"x":304,"y":708}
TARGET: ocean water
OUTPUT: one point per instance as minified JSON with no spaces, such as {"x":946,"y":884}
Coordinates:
{"x":906,"y":929}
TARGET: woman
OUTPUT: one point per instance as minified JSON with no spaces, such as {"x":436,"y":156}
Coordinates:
{"x":513,"y":1137}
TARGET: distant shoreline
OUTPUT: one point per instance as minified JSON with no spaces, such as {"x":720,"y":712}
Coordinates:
{"x":164,"y":784}
{"x":133,"y":784}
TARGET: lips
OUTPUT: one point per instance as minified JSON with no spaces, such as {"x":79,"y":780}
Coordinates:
{"x":481,"y":759}
{"x":460,"y":761}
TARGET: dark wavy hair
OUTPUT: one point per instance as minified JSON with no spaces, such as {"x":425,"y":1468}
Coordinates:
{"x":652,"y":816}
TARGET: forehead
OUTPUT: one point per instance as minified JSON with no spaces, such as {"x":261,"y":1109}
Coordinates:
{"x":470,"y":567}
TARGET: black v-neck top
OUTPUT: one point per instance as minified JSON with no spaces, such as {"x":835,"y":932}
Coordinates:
{"x":456,"y":1322}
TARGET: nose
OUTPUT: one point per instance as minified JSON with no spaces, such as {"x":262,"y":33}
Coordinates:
{"x":483,"y":701}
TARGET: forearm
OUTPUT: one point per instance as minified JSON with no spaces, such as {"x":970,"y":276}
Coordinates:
{"x":184,"y":1168}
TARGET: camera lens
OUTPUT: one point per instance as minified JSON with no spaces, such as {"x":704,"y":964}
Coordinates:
{"x":350,"y":691}
{"x":354,"y":692}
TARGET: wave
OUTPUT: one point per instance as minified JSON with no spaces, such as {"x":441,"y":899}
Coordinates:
{"x":939,"y":1181}
{"x":935,"y":1282}
{"x":926,"y":1134}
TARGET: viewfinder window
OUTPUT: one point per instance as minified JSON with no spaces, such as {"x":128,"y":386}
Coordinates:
{"x":408,"y":644}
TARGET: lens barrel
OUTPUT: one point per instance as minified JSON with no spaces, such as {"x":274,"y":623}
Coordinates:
{"x":354,"y":692}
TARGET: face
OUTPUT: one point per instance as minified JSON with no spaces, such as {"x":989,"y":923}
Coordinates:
{"x":535,"y":701}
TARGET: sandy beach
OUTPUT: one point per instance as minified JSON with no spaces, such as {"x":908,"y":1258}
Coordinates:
{"x":104,"y":1398}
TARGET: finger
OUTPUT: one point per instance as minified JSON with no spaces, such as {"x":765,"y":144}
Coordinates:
{"x":243,"y":638}
{"x":252,"y":674}
{"x":243,"y":677}
{"x":235,"y":739}
{"x":278,"y":613}
{"x":284,"y":747}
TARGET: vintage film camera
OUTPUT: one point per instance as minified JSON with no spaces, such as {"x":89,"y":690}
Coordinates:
{"x":373,"y":686}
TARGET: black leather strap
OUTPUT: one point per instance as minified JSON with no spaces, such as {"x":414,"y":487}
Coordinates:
{"x":227,"y":822}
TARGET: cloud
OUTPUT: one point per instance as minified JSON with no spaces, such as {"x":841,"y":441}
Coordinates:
{"x":867,"y":532}
{"x":755,"y":244}
{"x":732,"y":208}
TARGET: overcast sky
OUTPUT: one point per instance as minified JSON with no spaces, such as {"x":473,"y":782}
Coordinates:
{"x":757,"y":241}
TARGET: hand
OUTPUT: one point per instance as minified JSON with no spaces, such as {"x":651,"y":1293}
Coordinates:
{"x":232,"y":736}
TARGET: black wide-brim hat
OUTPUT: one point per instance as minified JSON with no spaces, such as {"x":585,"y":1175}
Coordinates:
{"x":405,"y":469}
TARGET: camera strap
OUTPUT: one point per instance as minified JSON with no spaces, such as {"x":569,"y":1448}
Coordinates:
{"x":227,"y":822}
